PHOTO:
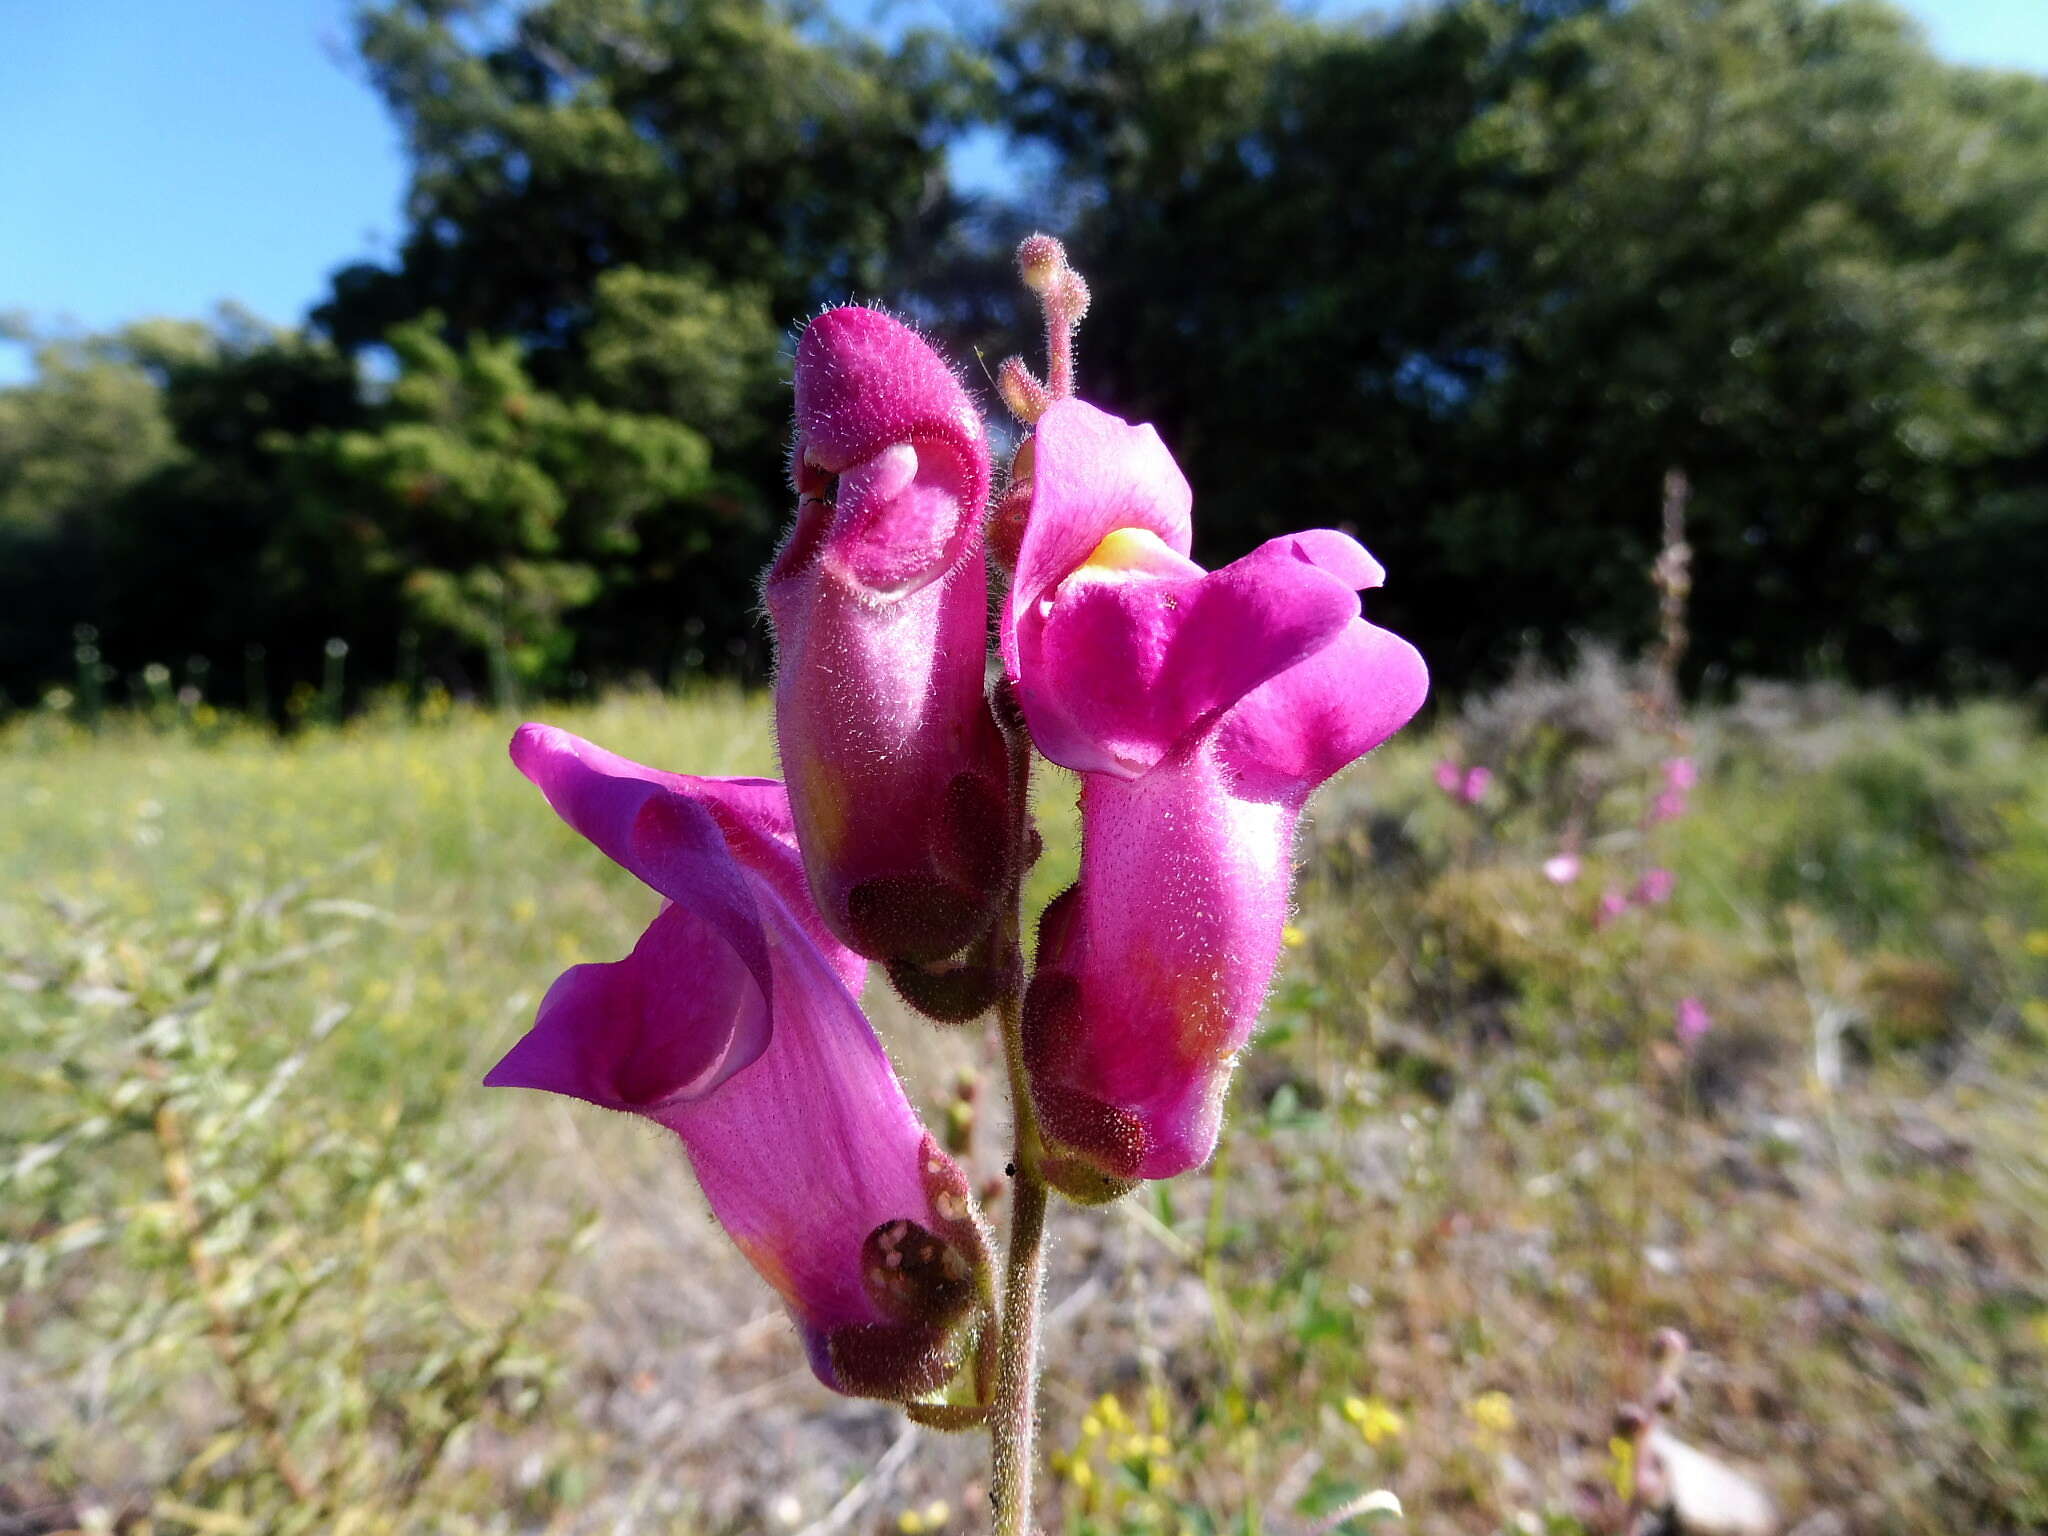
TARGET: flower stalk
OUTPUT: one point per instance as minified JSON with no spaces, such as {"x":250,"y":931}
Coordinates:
{"x":1013,"y":1417}
{"x":1200,"y":710}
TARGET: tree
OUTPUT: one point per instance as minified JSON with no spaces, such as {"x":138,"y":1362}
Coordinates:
{"x":482,"y":511}
{"x":1473,"y":282}
{"x":737,"y":144}
{"x":138,"y":489}
{"x":644,"y":195}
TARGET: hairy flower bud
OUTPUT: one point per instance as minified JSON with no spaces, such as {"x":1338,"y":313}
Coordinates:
{"x":1040,"y":261}
{"x":897,"y":773}
{"x":1021,"y":391}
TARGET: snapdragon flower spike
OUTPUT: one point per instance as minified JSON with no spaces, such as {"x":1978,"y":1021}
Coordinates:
{"x":898,"y":776}
{"x":733,"y":1024}
{"x":1201,"y":709}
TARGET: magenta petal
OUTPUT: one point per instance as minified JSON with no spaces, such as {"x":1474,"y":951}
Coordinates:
{"x":898,"y":775}
{"x":1153,"y":976}
{"x":877,"y":407}
{"x":1091,"y":475}
{"x":1337,"y":553}
{"x":732,"y":1023}
{"x":716,"y":846}
{"x":671,"y":1021}
{"x":1288,"y":736}
{"x":648,"y":827}
{"x":1128,"y":665}
{"x":865,"y":380}
{"x":898,"y":517}
{"x":811,"y":1149}
{"x":809,"y":1154}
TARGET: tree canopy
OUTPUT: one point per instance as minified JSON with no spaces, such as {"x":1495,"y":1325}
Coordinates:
{"x":1468,"y":282}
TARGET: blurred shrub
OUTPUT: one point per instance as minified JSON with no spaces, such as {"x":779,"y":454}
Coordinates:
{"x":230,"y":1297}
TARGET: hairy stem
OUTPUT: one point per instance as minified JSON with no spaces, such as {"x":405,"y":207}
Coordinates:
{"x":1013,"y":1416}
{"x":1013,"y":1404}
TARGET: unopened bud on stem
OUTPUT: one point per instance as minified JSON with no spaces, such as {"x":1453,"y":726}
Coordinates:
{"x":1022,"y":393}
{"x":1040,"y":261}
{"x":1063,"y":295}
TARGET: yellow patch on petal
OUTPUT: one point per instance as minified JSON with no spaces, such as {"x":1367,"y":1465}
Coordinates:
{"x":1131,"y":549}
{"x":826,"y":810}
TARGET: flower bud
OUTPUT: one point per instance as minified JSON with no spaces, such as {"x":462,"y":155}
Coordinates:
{"x":1040,"y":261}
{"x":898,"y":778}
{"x":1021,"y":391}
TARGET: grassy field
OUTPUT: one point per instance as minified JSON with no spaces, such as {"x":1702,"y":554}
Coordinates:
{"x":271,"y":1260}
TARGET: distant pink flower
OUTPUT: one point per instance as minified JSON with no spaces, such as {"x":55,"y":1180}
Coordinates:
{"x":1468,"y":786}
{"x":1668,"y":806}
{"x":1655,"y":887}
{"x":1680,"y":774}
{"x":1201,"y":708}
{"x":898,"y":775}
{"x":733,"y":1024}
{"x":1692,"y":1021}
{"x":1613,"y":903}
{"x":1561,"y":868}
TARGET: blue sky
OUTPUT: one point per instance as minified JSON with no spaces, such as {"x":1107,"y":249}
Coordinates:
{"x":160,"y":156}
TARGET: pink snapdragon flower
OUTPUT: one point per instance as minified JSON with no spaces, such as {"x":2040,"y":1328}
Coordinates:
{"x":1613,"y":903}
{"x":1679,"y":775}
{"x":1655,"y":887}
{"x":1467,"y":786}
{"x":1561,"y":868}
{"x":733,"y":1024}
{"x":898,"y":775}
{"x":1691,"y":1021}
{"x":1201,"y":709}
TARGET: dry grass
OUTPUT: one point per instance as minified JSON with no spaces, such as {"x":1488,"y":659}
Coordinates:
{"x":1467,"y":1172}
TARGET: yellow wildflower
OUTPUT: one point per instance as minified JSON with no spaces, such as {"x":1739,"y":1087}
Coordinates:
{"x":1621,"y":1452}
{"x":1492,"y":1412}
{"x":1378,"y":1422}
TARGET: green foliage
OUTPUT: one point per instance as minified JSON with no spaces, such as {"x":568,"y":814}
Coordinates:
{"x":681,"y":346}
{"x":93,"y":427}
{"x":493,"y":508}
{"x":188,"y":1203}
{"x":1471,"y":280}
{"x":754,"y":143}
{"x":72,"y":447}
{"x":142,"y":473}
{"x":1465,"y":1170}
{"x":1475,"y":281}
